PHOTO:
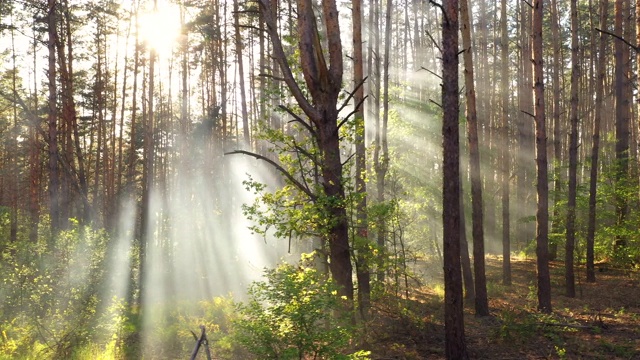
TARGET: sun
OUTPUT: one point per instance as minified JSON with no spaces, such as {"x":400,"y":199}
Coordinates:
{"x":160,"y":29}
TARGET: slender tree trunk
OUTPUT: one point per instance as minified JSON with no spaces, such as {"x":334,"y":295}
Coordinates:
{"x":243,"y":96}
{"x":595,"y":149}
{"x":455,"y":344}
{"x":622,"y":123}
{"x":573,"y":156}
{"x":361,"y":241}
{"x":556,"y":126}
{"x":542,"y":186}
{"x":52,"y":120}
{"x":505,"y":157}
{"x":481,"y":302}
{"x":148,"y":179}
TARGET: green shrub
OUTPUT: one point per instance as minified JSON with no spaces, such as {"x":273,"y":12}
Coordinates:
{"x":294,"y":314}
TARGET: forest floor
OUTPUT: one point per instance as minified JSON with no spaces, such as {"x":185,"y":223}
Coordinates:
{"x":601,"y":322}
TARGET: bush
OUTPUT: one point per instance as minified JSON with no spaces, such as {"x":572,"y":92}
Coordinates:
{"x":296,"y":313}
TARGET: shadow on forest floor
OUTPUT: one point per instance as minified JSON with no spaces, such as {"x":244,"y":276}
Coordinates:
{"x":602,"y":322}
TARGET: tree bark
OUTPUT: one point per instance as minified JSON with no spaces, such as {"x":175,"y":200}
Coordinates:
{"x":455,"y":344}
{"x":542,"y":186}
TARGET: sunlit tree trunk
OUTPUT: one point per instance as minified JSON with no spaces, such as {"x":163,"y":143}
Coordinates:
{"x":542,"y":186}
{"x":361,"y":241}
{"x":573,"y":155}
{"x":455,"y":344}
{"x":557,"y":94}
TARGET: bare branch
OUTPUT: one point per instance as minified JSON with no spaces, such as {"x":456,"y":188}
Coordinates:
{"x":435,"y":43}
{"x":430,"y":72}
{"x":351,"y":113}
{"x":528,"y":113}
{"x":432,"y":101}
{"x":282,"y":170}
{"x":352,"y":94}
{"x":298,"y":119}
{"x":634,"y":47}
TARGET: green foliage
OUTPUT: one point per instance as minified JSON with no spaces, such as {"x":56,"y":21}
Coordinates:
{"x":295,"y":313}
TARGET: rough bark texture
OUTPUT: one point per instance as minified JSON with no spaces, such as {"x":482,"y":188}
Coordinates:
{"x":542,"y":186}
{"x":455,"y":344}
{"x":570,"y":281}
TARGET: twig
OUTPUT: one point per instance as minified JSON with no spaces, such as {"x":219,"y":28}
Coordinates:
{"x":431,"y":100}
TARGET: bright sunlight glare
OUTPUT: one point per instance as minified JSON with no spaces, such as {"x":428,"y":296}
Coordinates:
{"x":160,"y":29}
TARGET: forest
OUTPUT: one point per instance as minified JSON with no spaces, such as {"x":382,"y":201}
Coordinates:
{"x":319,"y":179}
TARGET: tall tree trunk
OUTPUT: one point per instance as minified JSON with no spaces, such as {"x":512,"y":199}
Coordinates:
{"x":481,"y":302}
{"x":243,"y":96}
{"x":505,"y":157}
{"x":52,"y":120}
{"x":455,"y":344}
{"x":595,"y":147}
{"x":573,"y":156}
{"x":556,"y":126}
{"x":381,"y":162}
{"x":542,"y":186}
{"x":362,"y":242}
{"x":148,"y":179}
{"x":622,"y":123}
{"x":525,"y":149}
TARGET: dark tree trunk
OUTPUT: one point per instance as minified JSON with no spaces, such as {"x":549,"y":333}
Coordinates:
{"x":52,"y":120}
{"x":595,"y":149}
{"x":455,"y":344}
{"x":622,"y":122}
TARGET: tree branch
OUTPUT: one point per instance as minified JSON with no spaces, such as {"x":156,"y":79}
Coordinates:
{"x":634,"y":47}
{"x":352,"y":94}
{"x":435,"y":43}
{"x":430,"y":72}
{"x":298,"y":119}
{"x":282,"y":170}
